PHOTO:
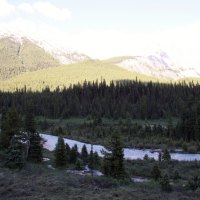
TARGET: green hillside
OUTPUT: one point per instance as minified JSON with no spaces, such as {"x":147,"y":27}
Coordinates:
{"x":71,"y":74}
{"x":16,"y":57}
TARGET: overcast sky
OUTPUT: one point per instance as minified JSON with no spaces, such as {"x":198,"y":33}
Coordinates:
{"x":106,"y":28}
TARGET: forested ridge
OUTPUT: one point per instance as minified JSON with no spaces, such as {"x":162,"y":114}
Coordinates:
{"x":121,"y":99}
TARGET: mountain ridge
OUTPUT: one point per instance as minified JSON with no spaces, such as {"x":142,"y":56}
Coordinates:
{"x":158,"y":65}
{"x":19,"y":54}
{"x":22,"y":57}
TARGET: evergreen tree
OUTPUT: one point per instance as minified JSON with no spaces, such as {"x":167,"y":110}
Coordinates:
{"x":156,"y":173}
{"x":113,"y":164}
{"x":91,"y":159}
{"x":35,"y":144}
{"x":166,"y":156}
{"x":15,"y":155}
{"x":35,"y":150}
{"x":73,"y":154}
{"x":67,"y":147}
{"x":60,"y":153}
{"x":84,"y":154}
{"x":11,"y":126}
{"x":107,"y":164}
{"x":165,"y":184}
{"x":76,"y":149}
{"x":96,"y":160}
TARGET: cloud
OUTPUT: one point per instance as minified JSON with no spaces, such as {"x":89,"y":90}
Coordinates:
{"x":44,"y":8}
{"x":26,"y":7}
{"x":47,"y":9}
{"x":5,"y":8}
{"x":51,"y":11}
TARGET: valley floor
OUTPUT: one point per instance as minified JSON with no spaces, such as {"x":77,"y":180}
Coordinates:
{"x":38,"y":183}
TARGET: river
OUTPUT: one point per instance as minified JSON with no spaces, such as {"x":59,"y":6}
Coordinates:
{"x":129,"y":153}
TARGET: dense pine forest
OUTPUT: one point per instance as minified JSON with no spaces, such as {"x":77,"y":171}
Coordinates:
{"x":124,"y":99}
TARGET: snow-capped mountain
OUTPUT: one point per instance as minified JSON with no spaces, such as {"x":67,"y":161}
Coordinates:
{"x":158,"y":65}
{"x":63,"y":55}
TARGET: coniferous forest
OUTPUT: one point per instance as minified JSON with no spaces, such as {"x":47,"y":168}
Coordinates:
{"x":122,"y":99}
{"x":117,"y":100}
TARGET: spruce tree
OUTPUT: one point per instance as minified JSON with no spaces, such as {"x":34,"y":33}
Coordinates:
{"x":113,"y":164}
{"x":96,"y":160}
{"x":35,"y":146}
{"x":60,"y":153}
{"x":67,"y":147}
{"x":35,"y":150}
{"x":11,"y":126}
{"x":84,"y":154}
{"x":91,"y":159}
{"x":15,"y":155}
{"x":73,"y":154}
{"x":107,"y":165}
{"x":166,"y":156}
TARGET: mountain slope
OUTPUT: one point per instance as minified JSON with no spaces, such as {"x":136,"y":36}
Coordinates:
{"x":71,"y":74}
{"x":158,"y":65}
{"x":22,"y":56}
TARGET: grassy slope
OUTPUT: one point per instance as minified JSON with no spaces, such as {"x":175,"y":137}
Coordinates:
{"x":71,"y":74}
{"x":16,"y":58}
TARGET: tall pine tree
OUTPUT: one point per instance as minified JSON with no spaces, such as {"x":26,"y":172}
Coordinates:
{"x":15,"y":155}
{"x":113,"y":163}
{"x":35,"y":141}
{"x":35,"y":153}
{"x":60,"y":153}
{"x":84,"y":154}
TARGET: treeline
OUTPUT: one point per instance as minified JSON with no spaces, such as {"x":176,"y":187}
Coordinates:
{"x":122,"y":99}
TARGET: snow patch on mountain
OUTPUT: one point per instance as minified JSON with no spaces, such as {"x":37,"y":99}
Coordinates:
{"x":63,"y":55}
{"x":158,"y":65}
